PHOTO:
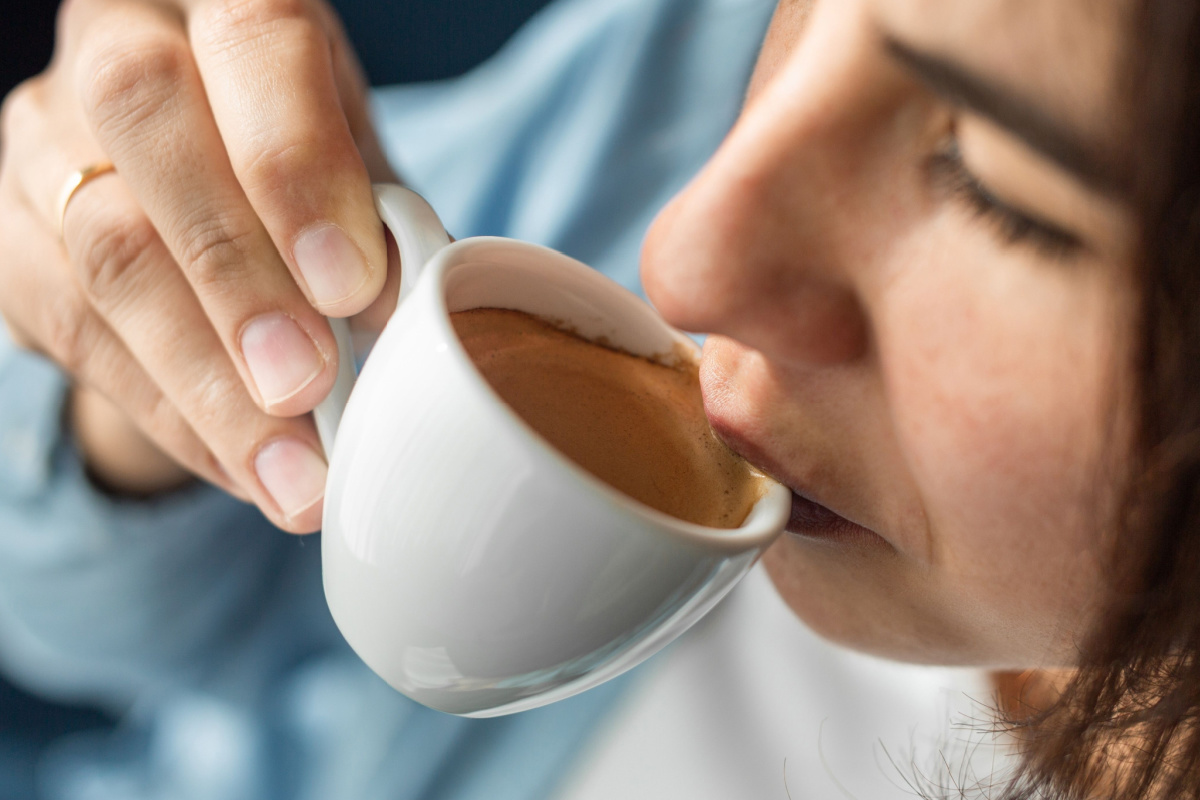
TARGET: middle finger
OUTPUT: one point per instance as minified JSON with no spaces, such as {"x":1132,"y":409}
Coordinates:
{"x":147,"y":106}
{"x":131,"y":279}
{"x":269,"y":71}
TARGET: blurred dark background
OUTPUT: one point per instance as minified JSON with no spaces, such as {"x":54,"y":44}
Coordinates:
{"x":398,"y":41}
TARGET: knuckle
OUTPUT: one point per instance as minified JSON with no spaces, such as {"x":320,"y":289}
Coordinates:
{"x":216,"y":254}
{"x":19,"y":108}
{"x":127,"y":79}
{"x":276,"y":166}
{"x":265,"y":12}
{"x":70,"y":13}
{"x":112,"y":248}
{"x":239,"y":23}
{"x":206,"y":407}
{"x":66,"y":330}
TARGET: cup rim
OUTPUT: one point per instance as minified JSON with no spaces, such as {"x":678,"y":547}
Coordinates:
{"x":767,"y":516}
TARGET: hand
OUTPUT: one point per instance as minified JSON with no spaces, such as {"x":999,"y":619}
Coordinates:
{"x":188,"y":287}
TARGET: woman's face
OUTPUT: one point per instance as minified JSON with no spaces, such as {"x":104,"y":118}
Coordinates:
{"x":915,"y":263}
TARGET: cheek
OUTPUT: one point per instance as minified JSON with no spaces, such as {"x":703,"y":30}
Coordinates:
{"x":994,"y":374}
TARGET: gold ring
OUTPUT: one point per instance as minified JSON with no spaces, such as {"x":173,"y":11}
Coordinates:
{"x":74,"y":182}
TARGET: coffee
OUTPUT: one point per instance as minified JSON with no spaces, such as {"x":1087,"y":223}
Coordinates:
{"x":636,"y":424}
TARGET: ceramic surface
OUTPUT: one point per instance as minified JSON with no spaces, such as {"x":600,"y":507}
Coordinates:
{"x":468,"y":563}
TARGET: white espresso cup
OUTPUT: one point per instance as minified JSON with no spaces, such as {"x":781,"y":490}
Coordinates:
{"x":472,"y":566}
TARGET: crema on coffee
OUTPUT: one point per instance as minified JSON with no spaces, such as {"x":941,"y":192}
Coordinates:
{"x":634,"y":423}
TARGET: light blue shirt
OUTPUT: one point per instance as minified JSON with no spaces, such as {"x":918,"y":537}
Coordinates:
{"x":204,"y":627}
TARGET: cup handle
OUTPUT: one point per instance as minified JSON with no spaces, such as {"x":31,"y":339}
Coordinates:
{"x":419,"y":235}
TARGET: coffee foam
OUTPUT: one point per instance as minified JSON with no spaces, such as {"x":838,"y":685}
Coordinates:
{"x":634,"y":423}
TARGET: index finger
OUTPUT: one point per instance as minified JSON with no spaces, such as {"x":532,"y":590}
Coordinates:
{"x":268,"y":71}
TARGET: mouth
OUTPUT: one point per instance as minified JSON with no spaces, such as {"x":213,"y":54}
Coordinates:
{"x":809,"y":519}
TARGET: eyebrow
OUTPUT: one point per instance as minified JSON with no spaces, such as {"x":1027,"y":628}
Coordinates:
{"x":1039,"y":130}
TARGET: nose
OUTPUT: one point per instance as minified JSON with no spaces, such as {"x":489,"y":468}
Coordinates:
{"x":759,"y":247}
{"x":719,"y":260}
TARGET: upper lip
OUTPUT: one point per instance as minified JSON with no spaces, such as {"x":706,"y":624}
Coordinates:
{"x":757,"y":456}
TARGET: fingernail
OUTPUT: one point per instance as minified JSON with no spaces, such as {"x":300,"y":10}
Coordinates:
{"x":292,"y":473}
{"x":332,"y":266}
{"x":282,"y":358}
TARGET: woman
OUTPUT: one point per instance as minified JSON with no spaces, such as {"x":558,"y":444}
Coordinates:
{"x":948,"y":253}
{"x":959,"y":274}
{"x":992,"y":263}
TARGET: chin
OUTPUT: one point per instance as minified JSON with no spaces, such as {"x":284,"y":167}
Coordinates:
{"x":868,"y":603}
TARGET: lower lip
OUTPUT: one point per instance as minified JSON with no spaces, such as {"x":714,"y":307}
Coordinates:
{"x":814,"y":521}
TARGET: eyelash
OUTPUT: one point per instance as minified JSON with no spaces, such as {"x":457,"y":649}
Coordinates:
{"x":1014,"y":227}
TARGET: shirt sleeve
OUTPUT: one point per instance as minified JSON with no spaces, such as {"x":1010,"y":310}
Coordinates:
{"x":102,"y":598}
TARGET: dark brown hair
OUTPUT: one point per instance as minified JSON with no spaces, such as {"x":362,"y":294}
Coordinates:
{"x":1128,"y":724}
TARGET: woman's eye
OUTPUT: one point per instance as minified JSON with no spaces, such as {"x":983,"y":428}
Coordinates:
{"x":1013,"y":226}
